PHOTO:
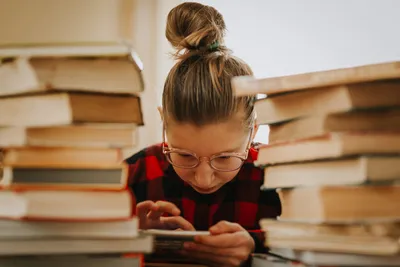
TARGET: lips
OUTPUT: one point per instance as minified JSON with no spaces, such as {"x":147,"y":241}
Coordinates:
{"x":205,"y":190}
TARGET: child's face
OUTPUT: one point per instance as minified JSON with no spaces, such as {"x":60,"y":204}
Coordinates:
{"x":207,"y":141}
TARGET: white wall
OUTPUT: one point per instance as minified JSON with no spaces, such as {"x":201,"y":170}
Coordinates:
{"x":281,"y":37}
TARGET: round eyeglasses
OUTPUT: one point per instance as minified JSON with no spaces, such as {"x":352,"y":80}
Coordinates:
{"x":223,"y":162}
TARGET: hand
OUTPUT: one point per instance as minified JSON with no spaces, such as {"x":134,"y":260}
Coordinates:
{"x":150,"y":216}
{"x":228,"y":245}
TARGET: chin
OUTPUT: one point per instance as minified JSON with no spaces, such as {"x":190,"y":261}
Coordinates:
{"x":206,"y":191}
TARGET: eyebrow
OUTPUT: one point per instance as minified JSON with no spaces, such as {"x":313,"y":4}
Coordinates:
{"x":232,"y":150}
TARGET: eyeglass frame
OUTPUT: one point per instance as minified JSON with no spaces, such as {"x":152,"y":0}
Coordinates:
{"x":241,"y":155}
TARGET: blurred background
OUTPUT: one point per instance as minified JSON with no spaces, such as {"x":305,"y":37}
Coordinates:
{"x":282,"y":37}
{"x":276,"y":37}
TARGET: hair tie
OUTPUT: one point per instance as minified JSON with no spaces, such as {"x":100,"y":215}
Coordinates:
{"x":214,"y":46}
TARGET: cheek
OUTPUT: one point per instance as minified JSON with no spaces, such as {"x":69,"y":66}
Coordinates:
{"x":185,"y":174}
{"x":225,"y":177}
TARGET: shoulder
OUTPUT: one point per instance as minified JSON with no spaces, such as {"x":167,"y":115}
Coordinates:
{"x":151,"y":151}
{"x":148,"y":163}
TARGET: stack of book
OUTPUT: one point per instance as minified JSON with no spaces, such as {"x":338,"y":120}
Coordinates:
{"x":69,"y":111}
{"x":333,"y":155}
{"x":67,"y":114}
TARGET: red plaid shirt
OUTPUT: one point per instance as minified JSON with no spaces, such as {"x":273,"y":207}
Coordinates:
{"x":152,"y":177}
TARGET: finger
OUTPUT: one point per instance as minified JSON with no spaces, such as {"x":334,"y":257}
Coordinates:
{"x":241,"y":253}
{"x":143,"y":208}
{"x":225,"y":227}
{"x":177,"y":222}
{"x":223,"y":240}
{"x":163,"y":207}
{"x":211,"y":259}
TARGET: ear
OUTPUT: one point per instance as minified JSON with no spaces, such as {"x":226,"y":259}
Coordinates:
{"x":255,"y":130}
{"x":160,"y":111}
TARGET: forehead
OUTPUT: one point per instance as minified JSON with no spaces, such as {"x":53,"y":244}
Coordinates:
{"x":209,"y":139}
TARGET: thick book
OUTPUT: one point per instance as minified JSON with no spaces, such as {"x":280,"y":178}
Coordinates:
{"x":64,"y":157}
{"x":342,"y":171}
{"x":87,"y":22}
{"x":246,"y":85}
{"x":44,"y":229}
{"x":340,"y":203}
{"x":81,"y":260}
{"x":330,"y":146}
{"x":286,"y":107}
{"x":369,"y":238}
{"x":95,"y":177}
{"x":318,"y":125}
{"x":321,"y":258}
{"x":111,"y":135}
{"x":112,"y":69}
{"x":62,"y":205}
{"x":69,"y":108}
{"x":71,"y":246}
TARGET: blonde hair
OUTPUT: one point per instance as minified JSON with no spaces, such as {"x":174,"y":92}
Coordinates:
{"x":198,"y":87}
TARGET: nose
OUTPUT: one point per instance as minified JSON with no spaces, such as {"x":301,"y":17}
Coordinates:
{"x":204,"y":174}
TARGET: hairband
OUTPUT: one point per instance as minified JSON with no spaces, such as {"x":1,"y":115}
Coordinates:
{"x":214,"y":46}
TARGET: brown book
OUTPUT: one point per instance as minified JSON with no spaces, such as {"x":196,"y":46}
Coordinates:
{"x":333,"y":145}
{"x":109,"y":178}
{"x":69,"y":108}
{"x":336,"y":204}
{"x":40,"y":157}
{"x":246,"y":85}
{"x":73,"y":205}
{"x":377,"y":238}
{"x":364,"y":120}
{"x":82,"y":135}
{"x":106,"y":69}
{"x":343,"y":171}
{"x":42,"y":229}
{"x":323,"y":258}
{"x":87,"y":22}
{"x":49,"y":250}
{"x":321,"y":101}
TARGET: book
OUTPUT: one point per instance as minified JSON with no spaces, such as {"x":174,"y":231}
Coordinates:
{"x":320,"y":258}
{"x":51,"y":69}
{"x":69,"y":108}
{"x":368,"y":238}
{"x":62,"y":205}
{"x":62,"y":260}
{"x":334,"y":204}
{"x":42,"y":157}
{"x":285,"y":107}
{"x":318,"y":125}
{"x":330,"y":146}
{"x":93,"y":21}
{"x":83,"y":135}
{"x":107,"y":177}
{"x":246,"y":85}
{"x":71,"y":246}
{"x":341,"y":171}
{"x":28,"y":229}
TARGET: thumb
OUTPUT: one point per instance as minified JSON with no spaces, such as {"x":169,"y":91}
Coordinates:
{"x":224,"y":227}
{"x":176,"y":222}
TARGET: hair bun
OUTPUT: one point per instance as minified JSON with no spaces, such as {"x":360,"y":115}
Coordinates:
{"x":194,"y":26}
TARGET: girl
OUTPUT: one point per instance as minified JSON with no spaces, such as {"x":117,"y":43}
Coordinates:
{"x":203,"y":177}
